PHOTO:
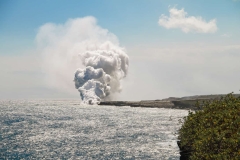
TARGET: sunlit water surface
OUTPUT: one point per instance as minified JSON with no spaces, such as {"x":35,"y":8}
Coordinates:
{"x":64,"y":129}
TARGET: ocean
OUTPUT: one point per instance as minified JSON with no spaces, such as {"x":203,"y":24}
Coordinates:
{"x":65,"y":129}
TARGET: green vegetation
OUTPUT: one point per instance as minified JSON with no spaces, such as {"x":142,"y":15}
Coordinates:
{"x":213,"y":131}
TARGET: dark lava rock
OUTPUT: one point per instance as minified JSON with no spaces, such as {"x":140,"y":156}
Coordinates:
{"x":172,"y":102}
{"x":184,"y":153}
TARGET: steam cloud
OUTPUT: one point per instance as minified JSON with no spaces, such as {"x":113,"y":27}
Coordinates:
{"x":81,"y":43}
{"x":105,"y":65}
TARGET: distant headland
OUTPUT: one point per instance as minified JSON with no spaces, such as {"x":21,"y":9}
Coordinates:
{"x":171,"y":102}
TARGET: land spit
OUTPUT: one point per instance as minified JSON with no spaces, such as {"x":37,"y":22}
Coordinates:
{"x":171,"y":102}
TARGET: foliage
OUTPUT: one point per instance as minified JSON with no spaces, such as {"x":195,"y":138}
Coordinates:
{"x":213,"y":131}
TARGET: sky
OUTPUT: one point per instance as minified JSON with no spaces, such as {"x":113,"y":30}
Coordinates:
{"x":175,"y":48}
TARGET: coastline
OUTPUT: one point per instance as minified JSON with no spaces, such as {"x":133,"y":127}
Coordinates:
{"x":187,"y":103}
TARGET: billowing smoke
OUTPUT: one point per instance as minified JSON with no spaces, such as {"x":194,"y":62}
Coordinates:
{"x":105,"y":65}
{"x":81,"y":43}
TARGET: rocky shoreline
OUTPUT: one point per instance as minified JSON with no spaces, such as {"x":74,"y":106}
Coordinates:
{"x":171,"y":102}
{"x":187,"y":103}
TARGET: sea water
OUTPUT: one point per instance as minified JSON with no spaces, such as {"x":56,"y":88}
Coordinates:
{"x":65,"y":129}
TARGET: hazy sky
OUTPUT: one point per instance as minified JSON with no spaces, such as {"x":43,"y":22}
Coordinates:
{"x":176,"y":48}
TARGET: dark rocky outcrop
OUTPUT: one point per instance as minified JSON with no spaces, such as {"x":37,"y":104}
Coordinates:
{"x":184,"y":153}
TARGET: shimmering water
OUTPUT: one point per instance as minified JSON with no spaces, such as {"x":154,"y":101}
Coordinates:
{"x":63,"y":129}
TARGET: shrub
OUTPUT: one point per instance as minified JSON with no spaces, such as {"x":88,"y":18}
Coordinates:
{"x":213,"y":132}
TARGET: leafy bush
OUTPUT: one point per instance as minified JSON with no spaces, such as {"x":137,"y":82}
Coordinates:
{"x":213,"y":131}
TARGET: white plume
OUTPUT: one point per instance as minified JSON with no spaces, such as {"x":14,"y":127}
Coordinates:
{"x":102,"y":62}
{"x":106,"y":65}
